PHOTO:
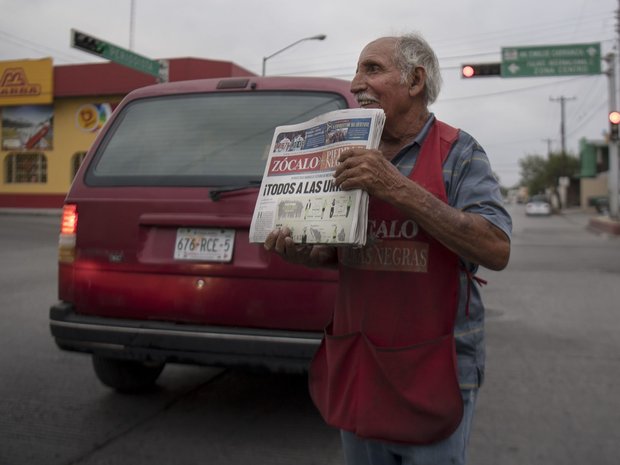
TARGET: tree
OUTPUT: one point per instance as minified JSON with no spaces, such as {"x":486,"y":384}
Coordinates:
{"x":533,"y":169}
{"x":558,"y":166}
{"x":539,"y":173}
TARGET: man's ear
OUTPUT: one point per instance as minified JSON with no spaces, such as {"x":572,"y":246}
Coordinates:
{"x":417,"y":81}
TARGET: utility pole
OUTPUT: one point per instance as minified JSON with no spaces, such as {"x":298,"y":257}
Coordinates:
{"x":563,"y":180}
{"x":618,"y":45}
{"x":612,"y":179}
{"x":562,"y":101}
{"x":132,"y":19}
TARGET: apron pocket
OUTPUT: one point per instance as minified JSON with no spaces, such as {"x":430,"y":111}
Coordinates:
{"x":333,"y":379}
{"x":412,"y":394}
{"x":408,"y":395}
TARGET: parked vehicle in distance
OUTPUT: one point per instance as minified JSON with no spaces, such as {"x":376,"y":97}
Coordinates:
{"x":538,"y":205}
{"x":600,"y":203}
{"x":155,"y":265}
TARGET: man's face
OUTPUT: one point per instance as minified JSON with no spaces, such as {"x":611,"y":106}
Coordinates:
{"x":377,"y":82}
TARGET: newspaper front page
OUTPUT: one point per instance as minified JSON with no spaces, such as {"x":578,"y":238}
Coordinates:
{"x":298,"y":190}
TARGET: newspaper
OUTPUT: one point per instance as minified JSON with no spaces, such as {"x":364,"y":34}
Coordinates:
{"x":298,"y":190}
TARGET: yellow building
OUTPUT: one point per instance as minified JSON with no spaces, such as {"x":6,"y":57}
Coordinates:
{"x":50,"y":115}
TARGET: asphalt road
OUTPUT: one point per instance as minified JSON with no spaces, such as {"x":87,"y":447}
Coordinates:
{"x":553,"y":369}
{"x":549,"y":396}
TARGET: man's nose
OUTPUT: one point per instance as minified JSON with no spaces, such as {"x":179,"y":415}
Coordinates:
{"x":357,"y":83}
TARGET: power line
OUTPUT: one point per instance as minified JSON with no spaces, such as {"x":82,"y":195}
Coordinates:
{"x":514,"y":91}
{"x":503,"y":33}
{"x":534,"y":31}
{"x":24,"y":43}
{"x":588,"y":93}
{"x":347,"y":72}
{"x":587,"y":117}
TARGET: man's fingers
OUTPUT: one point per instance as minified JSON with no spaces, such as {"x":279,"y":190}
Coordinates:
{"x":281,"y":244}
{"x":270,"y":240}
{"x":347,"y":154}
{"x":281,"y":240}
{"x":275,"y":240}
{"x":293,"y":248}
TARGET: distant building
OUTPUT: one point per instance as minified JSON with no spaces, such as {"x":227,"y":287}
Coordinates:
{"x":50,"y":115}
{"x":594,"y":159}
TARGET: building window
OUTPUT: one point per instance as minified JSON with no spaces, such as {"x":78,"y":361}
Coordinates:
{"x":76,"y":161}
{"x":25,"y":167}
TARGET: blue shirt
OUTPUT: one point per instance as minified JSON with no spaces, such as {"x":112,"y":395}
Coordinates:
{"x":471,"y":187}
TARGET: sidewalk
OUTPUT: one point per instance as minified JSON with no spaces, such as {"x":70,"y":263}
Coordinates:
{"x":595,"y":222}
{"x":605,"y":224}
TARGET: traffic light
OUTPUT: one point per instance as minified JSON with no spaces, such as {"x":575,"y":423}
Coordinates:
{"x":614,"y":121}
{"x":481,"y":70}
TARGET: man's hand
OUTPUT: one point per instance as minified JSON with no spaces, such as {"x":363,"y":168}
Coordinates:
{"x":281,"y":242}
{"x":469,"y":235}
{"x":368,"y":170}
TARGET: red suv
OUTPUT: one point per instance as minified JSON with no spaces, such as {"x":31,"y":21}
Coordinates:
{"x":154,"y":260}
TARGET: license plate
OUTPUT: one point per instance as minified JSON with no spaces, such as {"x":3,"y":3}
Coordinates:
{"x":209,"y":245}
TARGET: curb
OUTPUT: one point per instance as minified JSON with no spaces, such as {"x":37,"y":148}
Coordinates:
{"x":31,"y":211}
{"x":605,"y":224}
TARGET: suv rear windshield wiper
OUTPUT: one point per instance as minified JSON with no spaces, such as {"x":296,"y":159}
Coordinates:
{"x":215,"y":194}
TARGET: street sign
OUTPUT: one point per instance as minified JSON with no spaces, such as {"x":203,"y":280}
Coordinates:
{"x":103,"y":49}
{"x":551,"y":60}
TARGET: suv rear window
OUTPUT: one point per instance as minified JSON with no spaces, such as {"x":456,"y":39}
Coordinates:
{"x":212,"y":139}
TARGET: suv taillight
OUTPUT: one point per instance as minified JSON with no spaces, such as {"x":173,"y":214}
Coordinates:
{"x":66,"y":239}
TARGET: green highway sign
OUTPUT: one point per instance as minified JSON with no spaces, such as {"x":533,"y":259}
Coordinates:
{"x":103,"y":49}
{"x":551,"y":60}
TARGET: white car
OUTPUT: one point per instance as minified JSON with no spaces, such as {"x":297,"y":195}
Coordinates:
{"x":538,"y":206}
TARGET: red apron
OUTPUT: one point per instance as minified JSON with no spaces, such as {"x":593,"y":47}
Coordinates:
{"x":386,"y":368}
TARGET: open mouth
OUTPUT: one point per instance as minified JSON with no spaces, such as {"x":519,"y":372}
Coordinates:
{"x":365,"y":103}
{"x":365,"y":100}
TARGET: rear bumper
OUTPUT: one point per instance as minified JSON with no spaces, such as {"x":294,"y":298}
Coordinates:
{"x":276,"y":350}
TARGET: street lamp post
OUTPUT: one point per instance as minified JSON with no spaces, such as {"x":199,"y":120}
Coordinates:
{"x":612,"y":179}
{"x":317,"y":37}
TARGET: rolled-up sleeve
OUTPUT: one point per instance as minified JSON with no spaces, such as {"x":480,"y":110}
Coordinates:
{"x":472,"y":185}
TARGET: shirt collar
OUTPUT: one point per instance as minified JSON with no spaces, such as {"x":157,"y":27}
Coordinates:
{"x":417,"y":140}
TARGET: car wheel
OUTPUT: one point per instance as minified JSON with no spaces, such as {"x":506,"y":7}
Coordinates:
{"x":127,"y":376}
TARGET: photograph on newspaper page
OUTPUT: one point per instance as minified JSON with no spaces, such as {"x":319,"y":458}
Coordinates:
{"x":298,"y":190}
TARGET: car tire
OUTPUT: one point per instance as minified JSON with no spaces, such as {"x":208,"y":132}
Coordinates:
{"x":127,"y":376}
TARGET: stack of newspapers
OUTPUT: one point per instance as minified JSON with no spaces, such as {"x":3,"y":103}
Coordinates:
{"x":298,"y":190}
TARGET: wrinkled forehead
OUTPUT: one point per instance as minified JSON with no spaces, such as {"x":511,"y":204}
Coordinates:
{"x":380,"y":49}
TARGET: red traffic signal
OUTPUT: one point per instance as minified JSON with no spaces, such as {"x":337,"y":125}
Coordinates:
{"x":468,"y":71}
{"x":481,"y":70}
{"x":614,"y":120}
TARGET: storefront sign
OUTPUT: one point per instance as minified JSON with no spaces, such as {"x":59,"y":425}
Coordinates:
{"x":28,"y":127}
{"x":26,"y":82}
{"x":92,"y":116}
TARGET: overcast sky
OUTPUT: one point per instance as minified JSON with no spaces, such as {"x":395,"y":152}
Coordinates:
{"x":511,"y":118}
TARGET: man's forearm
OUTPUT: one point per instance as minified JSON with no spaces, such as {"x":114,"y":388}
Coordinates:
{"x":467,"y":234}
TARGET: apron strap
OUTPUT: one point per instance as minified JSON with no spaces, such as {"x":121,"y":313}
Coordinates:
{"x":471,"y":279}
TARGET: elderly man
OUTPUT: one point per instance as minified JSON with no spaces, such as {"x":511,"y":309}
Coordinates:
{"x":402,"y":359}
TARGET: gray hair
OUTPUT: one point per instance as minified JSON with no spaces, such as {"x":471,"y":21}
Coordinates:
{"x":411,"y":51}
